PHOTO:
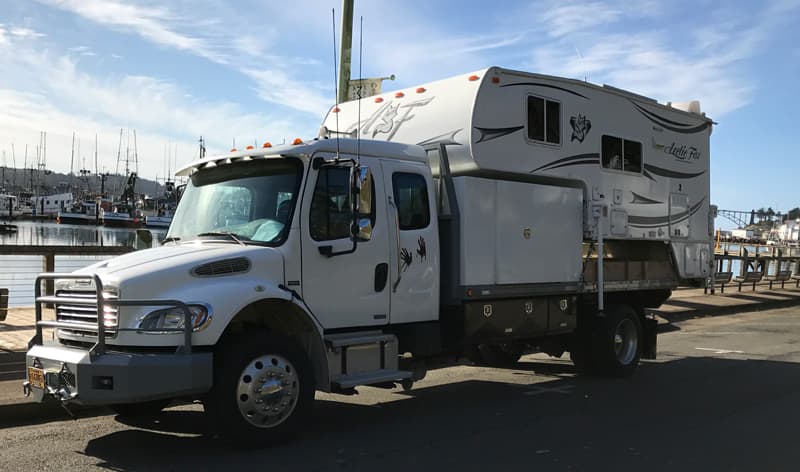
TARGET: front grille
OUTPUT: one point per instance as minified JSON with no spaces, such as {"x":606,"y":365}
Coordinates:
{"x":84,"y":317}
{"x":222,"y":267}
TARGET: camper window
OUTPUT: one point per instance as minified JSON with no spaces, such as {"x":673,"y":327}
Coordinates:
{"x":544,"y":120}
{"x":621,"y":154}
{"x":411,"y":196}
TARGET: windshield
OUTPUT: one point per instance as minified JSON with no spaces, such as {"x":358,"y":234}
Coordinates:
{"x":247,"y":202}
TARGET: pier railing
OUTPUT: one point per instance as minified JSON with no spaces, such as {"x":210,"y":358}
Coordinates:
{"x":49,"y":253}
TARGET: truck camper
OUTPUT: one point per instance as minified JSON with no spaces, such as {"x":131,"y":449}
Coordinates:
{"x":483,"y":216}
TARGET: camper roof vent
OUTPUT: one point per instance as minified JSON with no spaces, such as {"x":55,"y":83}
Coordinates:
{"x":692,"y":106}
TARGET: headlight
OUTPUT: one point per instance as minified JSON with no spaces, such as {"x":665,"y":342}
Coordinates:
{"x":174,"y":318}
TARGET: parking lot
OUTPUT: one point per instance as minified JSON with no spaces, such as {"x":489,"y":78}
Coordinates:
{"x":723,"y":395}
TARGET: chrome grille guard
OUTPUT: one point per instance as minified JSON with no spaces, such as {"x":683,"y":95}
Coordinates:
{"x":99,"y":302}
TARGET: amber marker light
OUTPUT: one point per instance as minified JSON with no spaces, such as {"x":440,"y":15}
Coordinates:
{"x":473,"y":78}
{"x":421,"y":90}
{"x":250,"y":147}
{"x":267,"y":145}
{"x":297,"y":141}
{"x":233,"y":149}
{"x":335,"y":110}
{"x":378,"y":100}
{"x":399,"y":95}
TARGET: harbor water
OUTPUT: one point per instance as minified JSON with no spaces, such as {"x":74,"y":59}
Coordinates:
{"x":18,"y":273}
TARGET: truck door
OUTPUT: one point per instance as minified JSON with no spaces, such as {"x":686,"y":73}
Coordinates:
{"x":346,"y":290}
{"x":414,"y":242}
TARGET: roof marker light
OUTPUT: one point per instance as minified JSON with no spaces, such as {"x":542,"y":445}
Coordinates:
{"x":495,"y":80}
{"x":233,"y":149}
{"x":378,"y":99}
{"x":250,"y":147}
{"x":399,"y":95}
{"x":297,"y":141}
{"x":267,"y":145}
{"x":420,"y":89}
{"x":335,"y":110}
{"x":473,"y":78}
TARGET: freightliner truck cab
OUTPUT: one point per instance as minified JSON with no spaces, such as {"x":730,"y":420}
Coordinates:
{"x":278,"y":274}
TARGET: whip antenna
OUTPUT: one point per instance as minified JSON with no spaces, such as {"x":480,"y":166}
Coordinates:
{"x":360,"y":90}
{"x":335,"y":80}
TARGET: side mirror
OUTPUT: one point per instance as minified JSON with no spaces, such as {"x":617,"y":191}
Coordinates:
{"x":363,"y":189}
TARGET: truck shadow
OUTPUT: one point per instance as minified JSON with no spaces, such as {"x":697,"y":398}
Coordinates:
{"x":698,"y":412}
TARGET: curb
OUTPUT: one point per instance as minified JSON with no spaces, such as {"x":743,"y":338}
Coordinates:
{"x":710,"y":310}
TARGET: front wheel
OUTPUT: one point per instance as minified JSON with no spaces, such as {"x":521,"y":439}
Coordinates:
{"x":263,"y":389}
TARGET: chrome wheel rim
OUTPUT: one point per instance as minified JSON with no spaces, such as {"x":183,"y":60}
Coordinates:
{"x":626,"y":341}
{"x":267,"y":391}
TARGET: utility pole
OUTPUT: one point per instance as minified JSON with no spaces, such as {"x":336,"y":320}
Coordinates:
{"x":345,"y":50}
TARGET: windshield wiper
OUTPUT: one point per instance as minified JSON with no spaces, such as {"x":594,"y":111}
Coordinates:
{"x":170,"y":239}
{"x":233,"y":236}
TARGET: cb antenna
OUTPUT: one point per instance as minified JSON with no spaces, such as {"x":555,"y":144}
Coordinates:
{"x":360,"y":88}
{"x":335,"y":80}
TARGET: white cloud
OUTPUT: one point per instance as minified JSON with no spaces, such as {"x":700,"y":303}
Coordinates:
{"x":27,"y":33}
{"x":69,"y":99}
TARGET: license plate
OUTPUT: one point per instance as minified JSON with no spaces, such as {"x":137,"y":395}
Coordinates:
{"x":36,"y":377}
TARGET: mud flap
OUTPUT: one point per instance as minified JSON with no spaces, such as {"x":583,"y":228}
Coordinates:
{"x":649,"y":338}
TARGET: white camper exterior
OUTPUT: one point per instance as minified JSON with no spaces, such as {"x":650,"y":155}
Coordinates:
{"x":646,"y":163}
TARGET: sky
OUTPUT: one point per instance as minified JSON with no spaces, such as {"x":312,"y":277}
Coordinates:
{"x":251,"y":71}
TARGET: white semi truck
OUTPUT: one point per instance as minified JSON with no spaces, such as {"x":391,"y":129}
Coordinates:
{"x":483,"y":215}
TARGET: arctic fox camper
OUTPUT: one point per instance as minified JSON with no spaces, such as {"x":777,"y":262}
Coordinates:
{"x":483,"y":215}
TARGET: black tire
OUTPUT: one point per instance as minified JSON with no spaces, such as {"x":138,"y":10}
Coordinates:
{"x":495,"y":355}
{"x":618,"y":342}
{"x":609,"y":345}
{"x":235,"y":403}
{"x":141,"y":410}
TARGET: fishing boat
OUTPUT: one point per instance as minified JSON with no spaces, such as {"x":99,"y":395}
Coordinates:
{"x":9,"y":207}
{"x":86,"y":212}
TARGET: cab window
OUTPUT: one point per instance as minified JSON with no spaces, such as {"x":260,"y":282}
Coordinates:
{"x":411,"y":197}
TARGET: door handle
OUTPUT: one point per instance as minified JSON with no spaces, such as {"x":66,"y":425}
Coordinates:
{"x":381,"y":276}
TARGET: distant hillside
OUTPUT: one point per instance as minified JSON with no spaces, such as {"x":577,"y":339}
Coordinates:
{"x":21,"y":180}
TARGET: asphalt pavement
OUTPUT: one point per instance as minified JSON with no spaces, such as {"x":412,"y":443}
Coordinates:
{"x":723,"y":395}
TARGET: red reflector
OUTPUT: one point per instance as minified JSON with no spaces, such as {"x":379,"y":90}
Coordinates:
{"x":378,"y":100}
{"x":420,"y":89}
{"x":473,"y":78}
{"x":399,"y":95}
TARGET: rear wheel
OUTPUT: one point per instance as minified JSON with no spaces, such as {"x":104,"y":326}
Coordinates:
{"x":263,"y":389}
{"x":495,"y":355}
{"x":610,"y":345}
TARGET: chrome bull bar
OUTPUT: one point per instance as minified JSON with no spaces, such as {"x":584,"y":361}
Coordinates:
{"x":100,"y":302}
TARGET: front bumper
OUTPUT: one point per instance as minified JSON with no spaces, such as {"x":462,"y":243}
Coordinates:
{"x":73,"y":375}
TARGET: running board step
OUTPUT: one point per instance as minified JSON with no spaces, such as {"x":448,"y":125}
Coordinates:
{"x":358,"y":339}
{"x":369,"y":378}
